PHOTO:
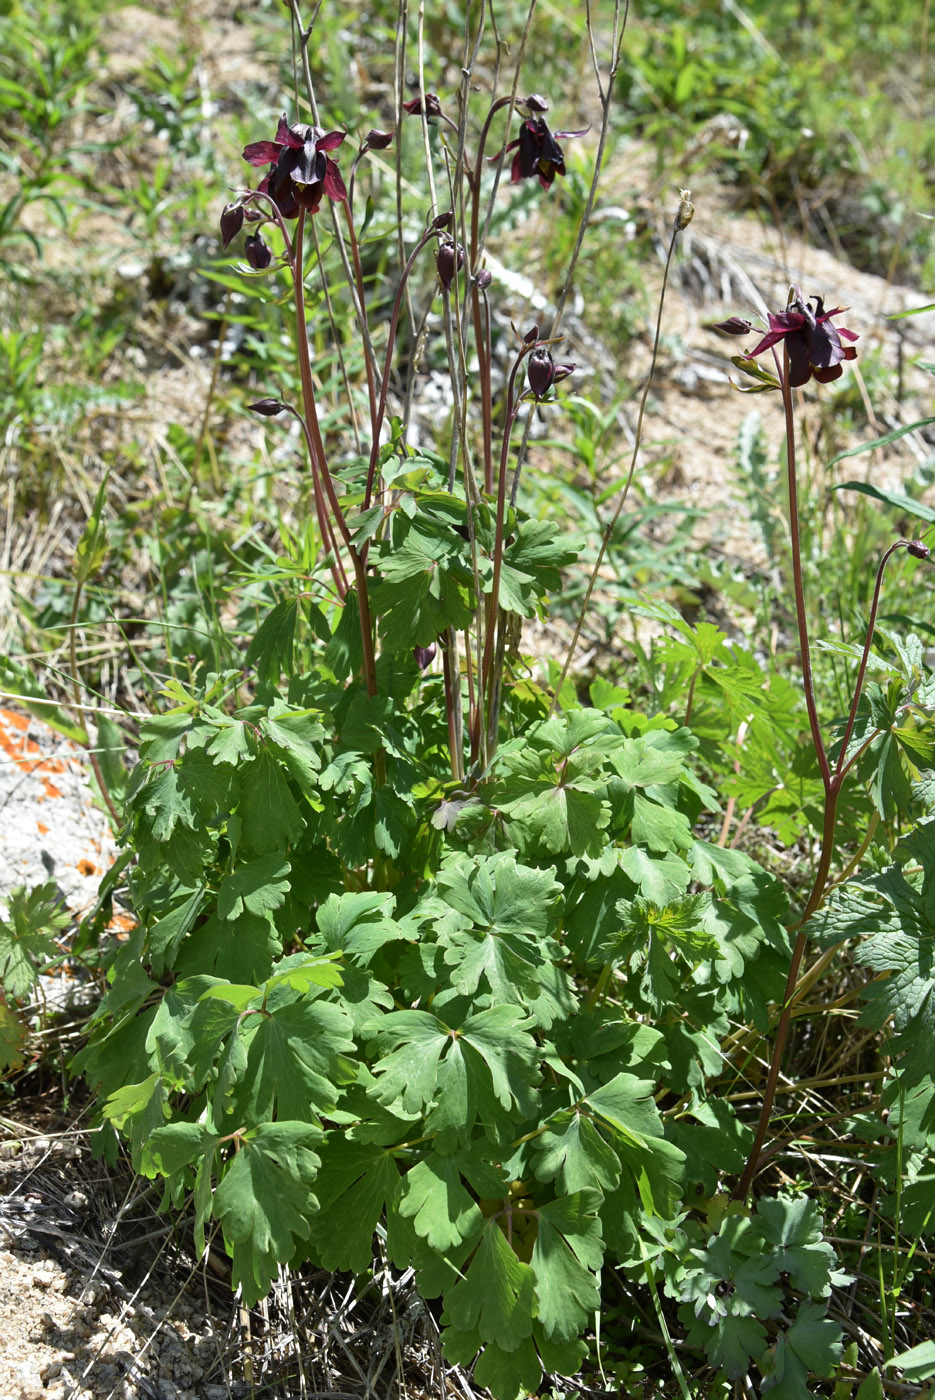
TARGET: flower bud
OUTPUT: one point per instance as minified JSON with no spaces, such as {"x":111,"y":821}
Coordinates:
{"x":734,"y":325}
{"x":231,"y":221}
{"x":535,"y":102}
{"x":483,"y":279}
{"x":918,"y":549}
{"x":257,"y":251}
{"x":531,"y":335}
{"x":540,"y":371}
{"x":445,"y":262}
{"x":433,"y":108}
{"x":377,"y":140}
{"x":268,"y":408}
{"x":424,"y":656}
{"x":685,"y":212}
{"x":441,"y":222}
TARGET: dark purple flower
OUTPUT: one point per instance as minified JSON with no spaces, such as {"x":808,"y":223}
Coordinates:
{"x":538,"y":153}
{"x":433,"y":108}
{"x":424,"y":656}
{"x":303,"y":172}
{"x":268,"y":408}
{"x":483,"y":279}
{"x":257,"y":251}
{"x":377,"y":140}
{"x":542,"y":371}
{"x":445,"y":260}
{"x":232,"y":216}
{"x":813,"y":344}
{"x":918,"y":549}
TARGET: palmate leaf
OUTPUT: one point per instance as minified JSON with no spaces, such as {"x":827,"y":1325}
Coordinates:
{"x":356,"y":1183}
{"x":496,"y":892}
{"x":496,"y":1297}
{"x":532,"y":558}
{"x":648,"y":935}
{"x":559,"y":818}
{"x":166,"y":800}
{"x":271,"y":818}
{"x":793,"y":1225}
{"x":296,"y":1059}
{"x":408,"y":1074}
{"x":264,"y":1202}
{"x":270,"y":650}
{"x":459,"y":1073}
{"x":27,"y":935}
{"x":899,"y":947}
{"x":511,"y":908}
{"x":434,"y":1195}
{"x":810,"y":1347}
{"x":566,"y":1259}
{"x":296,"y":736}
{"x":425,"y":587}
{"x":555,"y":788}
{"x":572,"y":1151}
{"x":14,"y":1032}
{"x":258,"y":887}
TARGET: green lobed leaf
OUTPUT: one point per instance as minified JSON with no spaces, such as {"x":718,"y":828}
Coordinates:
{"x":28,"y":935}
{"x":297,"y":1059}
{"x":496,"y":1297}
{"x":443,"y":1212}
{"x":355,"y":1184}
{"x":264,"y":1202}
{"x":566,"y":1260}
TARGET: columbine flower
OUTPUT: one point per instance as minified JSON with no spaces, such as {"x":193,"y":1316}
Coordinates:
{"x":303,"y":172}
{"x":542,"y":372}
{"x":813,"y":342}
{"x":537,"y":150}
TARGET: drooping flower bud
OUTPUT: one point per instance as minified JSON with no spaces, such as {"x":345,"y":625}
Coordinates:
{"x":433,"y":108}
{"x":377,"y":140}
{"x":445,"y":261}
{"x":734,"y":325}
{"x":231,"y":221}
{"x":442,"y":221}
{"x":531,"y":335}
{"x":483,"y":279}
{"x":268,"y":408}
{"x":918,"y":549}
{"x":257,"y":251}
{"x":542,"y":371}
{"x":424,"y":656}
{"x":535,"y":102}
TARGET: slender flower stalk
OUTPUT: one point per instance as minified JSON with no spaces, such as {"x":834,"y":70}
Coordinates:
{"x":832,"y":779}
{"x":682,"y":219}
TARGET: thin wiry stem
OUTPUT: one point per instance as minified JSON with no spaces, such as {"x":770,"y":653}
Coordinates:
{"x":833,"y":787}
{"x":606,"y":97}
{"x":681,"y":222}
